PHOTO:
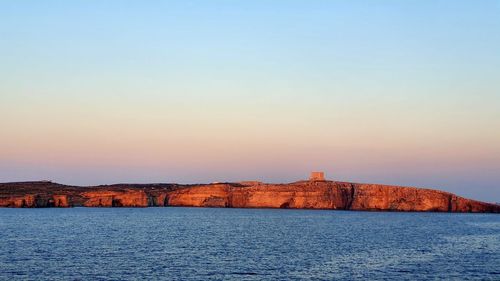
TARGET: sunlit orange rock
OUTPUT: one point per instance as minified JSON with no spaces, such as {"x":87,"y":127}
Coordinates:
{"x":60,"y":201}
{"x":105,"y":198}
{"x":301,"y":195}
{"x":26,"y":201}
{"x":393,"y":198}
{"x":35,"y":201}
{"x":213,"y":195}
{"x":312,"y":194}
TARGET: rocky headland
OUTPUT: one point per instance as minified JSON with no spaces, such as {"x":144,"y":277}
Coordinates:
{"x":311,"y":194}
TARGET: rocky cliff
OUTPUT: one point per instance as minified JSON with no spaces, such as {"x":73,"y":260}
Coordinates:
{"x":299,"y":195}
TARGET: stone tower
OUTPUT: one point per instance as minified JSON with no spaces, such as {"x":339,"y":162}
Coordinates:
{"x":317,"y":176}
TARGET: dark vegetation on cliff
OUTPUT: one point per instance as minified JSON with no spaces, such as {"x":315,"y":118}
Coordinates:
{"x":298,"y":195}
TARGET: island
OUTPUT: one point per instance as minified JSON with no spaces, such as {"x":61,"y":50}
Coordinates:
{"x":315,"y":193}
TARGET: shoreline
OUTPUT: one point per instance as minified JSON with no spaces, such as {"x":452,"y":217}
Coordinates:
{"x":312,"y":194}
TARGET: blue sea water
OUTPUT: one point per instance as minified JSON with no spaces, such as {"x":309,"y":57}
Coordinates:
{"x":246,"y":244}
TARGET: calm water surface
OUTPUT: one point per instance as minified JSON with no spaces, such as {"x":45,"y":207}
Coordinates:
{"x":245,"y":244}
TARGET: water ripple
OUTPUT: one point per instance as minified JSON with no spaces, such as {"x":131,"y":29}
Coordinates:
{"x":245,"y":244}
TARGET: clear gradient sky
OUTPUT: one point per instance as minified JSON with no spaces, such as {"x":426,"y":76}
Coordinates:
{"x":394,"y":92}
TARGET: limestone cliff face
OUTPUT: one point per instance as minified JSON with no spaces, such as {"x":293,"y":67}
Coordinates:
{"x":26,"y":201}
{"x":298,"y":195}
{"x":325,"y":195}
{"x":381,"y":197}
{"x":216,"y":195}
{"x":35,"y":201}
{"x":394,"y":198}
{"x":262,"y":196}
{"x":125,"y":198}
{"x":304,"y":195}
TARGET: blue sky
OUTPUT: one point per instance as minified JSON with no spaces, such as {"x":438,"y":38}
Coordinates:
{"x":396,"y":92}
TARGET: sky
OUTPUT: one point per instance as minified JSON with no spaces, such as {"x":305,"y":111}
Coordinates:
{"x":391,"y":92}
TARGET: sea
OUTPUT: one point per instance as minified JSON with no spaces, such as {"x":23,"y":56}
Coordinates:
{"x":246,"y":244}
